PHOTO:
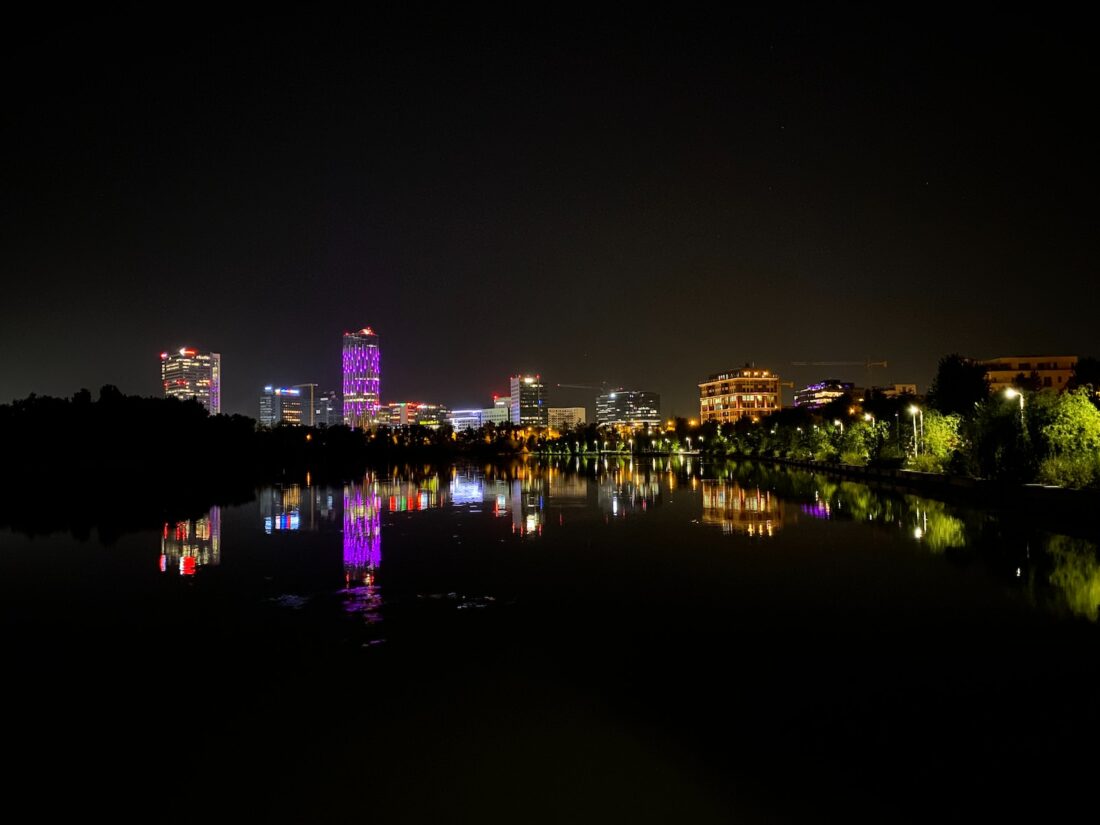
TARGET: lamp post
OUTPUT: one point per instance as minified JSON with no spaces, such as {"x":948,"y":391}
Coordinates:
{"x":840,"y":424}
{"x":914,"y":411}
{"x":1012,"y":392}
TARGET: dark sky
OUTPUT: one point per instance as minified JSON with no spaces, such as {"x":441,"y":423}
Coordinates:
{"x":633,"y":199}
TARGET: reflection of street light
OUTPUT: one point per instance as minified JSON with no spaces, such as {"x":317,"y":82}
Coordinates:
{"x":914,"y":411}
{"x":1012,"y":392}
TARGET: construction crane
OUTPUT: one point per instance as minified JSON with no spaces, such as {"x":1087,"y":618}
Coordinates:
{"x":868,"y":364}
{"x":602,"y":386}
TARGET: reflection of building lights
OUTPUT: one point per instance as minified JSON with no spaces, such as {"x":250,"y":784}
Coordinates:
{"x":191,"y":544}
{"x":735,"y":509}
{"x":362,"y":531}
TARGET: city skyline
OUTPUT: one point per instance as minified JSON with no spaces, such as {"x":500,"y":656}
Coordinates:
{"x":587,"y":203}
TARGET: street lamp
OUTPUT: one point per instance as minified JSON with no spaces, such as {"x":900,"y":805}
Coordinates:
{"x":1012,"y":392}
{"x":914,"y":411}
{"x":840,"y":424}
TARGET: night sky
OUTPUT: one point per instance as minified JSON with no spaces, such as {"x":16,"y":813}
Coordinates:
{"x":633,"y":199}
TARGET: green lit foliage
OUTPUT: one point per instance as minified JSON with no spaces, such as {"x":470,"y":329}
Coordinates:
{"x":1077,"y":574}
{"x":941,"y":530}
{"x":1065,"y":432}
{"x":939,"y":443}
{"x":858,"y":443}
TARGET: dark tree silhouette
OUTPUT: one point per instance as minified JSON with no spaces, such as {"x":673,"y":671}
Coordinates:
{"x":960,"y":383}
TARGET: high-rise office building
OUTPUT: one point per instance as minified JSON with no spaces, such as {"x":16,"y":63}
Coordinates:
{"x":327,"y":409}
{"x":189,"y":374}
{"x":628,"y":408}
{"x":308,"y":396}
{"x":362,"y":367}
{"x":528,"y":401}
{"x":281,"y":405}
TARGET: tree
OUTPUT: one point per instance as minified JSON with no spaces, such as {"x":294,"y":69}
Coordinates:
{"x":1086,"y":373}
{"x":959,"y":385}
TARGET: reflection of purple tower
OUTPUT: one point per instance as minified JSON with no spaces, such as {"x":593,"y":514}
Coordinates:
{"x":362,"y":366}
{"x":362,"y":532}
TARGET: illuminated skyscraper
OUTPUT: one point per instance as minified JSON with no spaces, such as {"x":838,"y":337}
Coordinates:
{"x":281,"y":405}
{"x":362,"y":365}
{"x":189,"y":374}
{"x":629,"y":408}
{"x":528,"y":406}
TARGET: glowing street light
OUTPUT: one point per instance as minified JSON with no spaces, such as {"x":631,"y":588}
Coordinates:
{"x":914,"y":411}
{"x":839,"y":423}
{"x":1012,"y":392}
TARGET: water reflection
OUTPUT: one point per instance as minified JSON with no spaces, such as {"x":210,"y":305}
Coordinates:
{"x":737,"y":509}
{"x":362,"y":531}
{"x":190,"y":544}
{"x":1076,"y":574}
{"x":532,"y":501}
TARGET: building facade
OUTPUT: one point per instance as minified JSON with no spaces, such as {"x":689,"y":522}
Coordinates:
{"x":1050,"y":372}
{"x":465,"y":420}
{"x":189,"y":374}
{"x":327,"y":409}
{"x":499,"y":413}
{"x":308,"y":395}
{"x":815,"y":396}
{"x":404,"y":413}
{"x":280,"y":405}
{"x":896,"y":390}
{"x":628,"y":408}
{"x":741,"y":393}
{"x":528,"y":401}
{"x":362,"y":370}
{"x":565,"y":418}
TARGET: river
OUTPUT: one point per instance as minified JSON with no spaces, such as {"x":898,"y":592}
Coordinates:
{"x":550,"y":642}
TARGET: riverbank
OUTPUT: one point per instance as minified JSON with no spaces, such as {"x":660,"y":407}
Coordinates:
{"x":1059,"y":508}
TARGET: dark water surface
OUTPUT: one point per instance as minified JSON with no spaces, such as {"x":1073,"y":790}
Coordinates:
{"x":611,"y":642}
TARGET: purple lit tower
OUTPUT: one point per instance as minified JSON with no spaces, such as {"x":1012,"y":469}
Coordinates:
{"x":362,"y":379}
{"x":362,"y":531}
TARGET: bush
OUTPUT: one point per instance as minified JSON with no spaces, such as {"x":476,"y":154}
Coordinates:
{"x":854,"y":457}
{"x":927,"y":463}
{"x":1081,"y":470}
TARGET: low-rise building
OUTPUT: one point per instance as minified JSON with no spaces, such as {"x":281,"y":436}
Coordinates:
{"x":499,"y":413}
{"x":896,"y":390}
{"x":747,"y":392}
{"x":404,"y":413}
{"x":465,"y":420}
{"x":565,"y":418}
{"x":815,"y":396}
{"x":1048,"y":371}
